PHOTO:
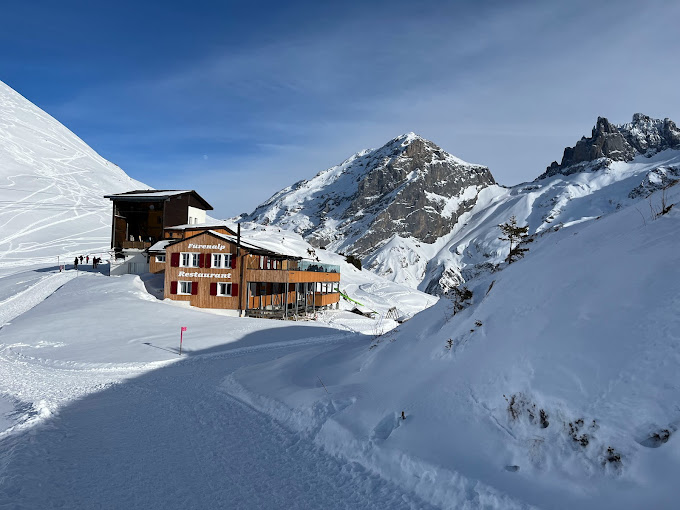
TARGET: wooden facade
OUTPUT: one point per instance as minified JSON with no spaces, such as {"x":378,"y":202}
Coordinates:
{"x":260,"y":281}
{"x":155,"y":265}
{"x":182,"y":232}
{"x":140,"y":217}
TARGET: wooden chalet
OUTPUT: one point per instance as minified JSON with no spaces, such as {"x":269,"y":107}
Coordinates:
{"x":217,"y":269}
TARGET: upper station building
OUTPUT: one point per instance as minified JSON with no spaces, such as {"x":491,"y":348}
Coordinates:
{"x":140,"y":218}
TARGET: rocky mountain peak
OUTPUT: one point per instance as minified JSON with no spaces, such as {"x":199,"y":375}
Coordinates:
{"x":408,"y":187}
{"x":643,"y":136}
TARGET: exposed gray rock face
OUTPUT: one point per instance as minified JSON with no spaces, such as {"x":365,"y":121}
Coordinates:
{"x":409,"y":187}
{"x":608,"y":142}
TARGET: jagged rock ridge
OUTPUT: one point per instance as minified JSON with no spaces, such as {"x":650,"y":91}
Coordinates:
{"x":643,"y":136}
{"x":409,"y":187}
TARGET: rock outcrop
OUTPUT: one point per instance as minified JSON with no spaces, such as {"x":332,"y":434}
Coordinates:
{"x":643,"y":136}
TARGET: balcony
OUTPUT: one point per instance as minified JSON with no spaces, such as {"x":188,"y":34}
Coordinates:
{"x":135,"y":245}
{"x":310,"y":265}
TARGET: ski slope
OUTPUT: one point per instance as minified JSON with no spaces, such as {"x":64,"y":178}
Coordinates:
{"x":98,"y":410}
{"x":51,"y":188}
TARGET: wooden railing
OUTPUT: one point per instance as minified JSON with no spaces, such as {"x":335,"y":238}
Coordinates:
{"x":135,"y":245}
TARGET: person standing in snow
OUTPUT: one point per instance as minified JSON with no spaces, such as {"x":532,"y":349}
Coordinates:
{"x":87,"y":259}
{"x":75,"y":263}
{"x":81,"y":259}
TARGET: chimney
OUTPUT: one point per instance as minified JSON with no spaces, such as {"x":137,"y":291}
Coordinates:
{"x":238,"y":239}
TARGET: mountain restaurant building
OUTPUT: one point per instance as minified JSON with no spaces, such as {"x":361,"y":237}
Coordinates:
{"x":212,"y":269}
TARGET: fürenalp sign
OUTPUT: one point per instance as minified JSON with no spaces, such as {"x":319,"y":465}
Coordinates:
{"x":196,"y":274}
{"x":207,"y":246}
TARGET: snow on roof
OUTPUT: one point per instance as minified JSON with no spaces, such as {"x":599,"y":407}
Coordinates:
{"x":191,"y":226}
{"x":252,"y":246}
{"x":160,"y":245}
{"x":149,"y":194}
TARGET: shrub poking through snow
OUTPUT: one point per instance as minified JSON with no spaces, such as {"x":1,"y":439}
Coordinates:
{"x":662,"y":436}
{"x":355,"y":261}
{"x":612,"y":456}
{"x":519,"y":404}
{"x":449,"y":344}
{"x":575,"y":431}
{"x":462,"y":296}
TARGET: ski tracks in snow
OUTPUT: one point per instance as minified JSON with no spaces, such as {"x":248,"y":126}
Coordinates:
{"x":171,"y":439}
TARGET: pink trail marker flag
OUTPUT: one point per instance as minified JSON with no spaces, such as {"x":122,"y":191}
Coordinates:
{"x":181,"y":334}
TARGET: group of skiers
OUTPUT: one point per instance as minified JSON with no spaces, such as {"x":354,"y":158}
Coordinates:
{"x":95,"y":261}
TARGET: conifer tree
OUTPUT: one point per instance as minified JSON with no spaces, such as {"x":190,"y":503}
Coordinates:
{"x":517,"y":236}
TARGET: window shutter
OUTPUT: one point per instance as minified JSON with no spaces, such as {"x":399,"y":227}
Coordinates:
{"x":194,"y":288}
{"x":234,"y":289}
{"x":201,"y":259}
{"x":213,"y":289}
{"x":233,"y":261}
{"x":174,"y":260}
{"x":173,"y":286}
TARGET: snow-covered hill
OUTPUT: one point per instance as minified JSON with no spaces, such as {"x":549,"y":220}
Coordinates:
{"x":51,"y":187}
{"x":557,"y":387}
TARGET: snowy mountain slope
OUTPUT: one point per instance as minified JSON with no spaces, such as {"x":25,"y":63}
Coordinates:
{"x":558,"y":387}
{"x":550,"y":203}
{"x":51,"y":187}
{"x":407,"y":187}
{"x":617,"y":166}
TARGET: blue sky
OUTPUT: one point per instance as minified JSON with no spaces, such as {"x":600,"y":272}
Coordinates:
{"x":240,"y":99}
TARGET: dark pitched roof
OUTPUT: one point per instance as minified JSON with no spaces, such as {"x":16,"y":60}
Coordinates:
{"x":144,"y":195}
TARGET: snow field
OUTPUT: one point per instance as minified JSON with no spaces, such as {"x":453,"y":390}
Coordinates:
{"x":585,"y":328}
{"x":99,"y":411}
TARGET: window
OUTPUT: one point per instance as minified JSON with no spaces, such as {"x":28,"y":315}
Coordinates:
{"x":184,"y":288}
{"x":224,"y":289}
{"x":221,"y":260}
{"x":160,"y":258}
{"x":189,"y":260}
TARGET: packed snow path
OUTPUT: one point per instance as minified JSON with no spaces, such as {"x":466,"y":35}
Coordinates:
{"x":171,"y":439}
